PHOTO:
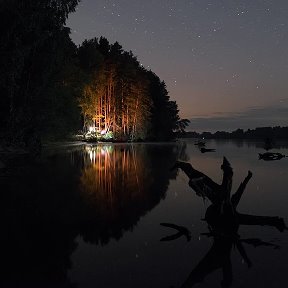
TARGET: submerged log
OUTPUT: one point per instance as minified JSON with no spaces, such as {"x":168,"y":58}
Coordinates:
{"x":223,"y":222}
{"x":270,"y":156}
{"x":182,"y":231}
{"x":204,"y":150}
{"x":223,"y":204}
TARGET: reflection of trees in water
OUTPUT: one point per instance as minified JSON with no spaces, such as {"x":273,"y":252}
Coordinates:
{"x":37,"y":238}
{"x":43,"y":211}
{"x":110,"y":174}
{"x":121,"y":183}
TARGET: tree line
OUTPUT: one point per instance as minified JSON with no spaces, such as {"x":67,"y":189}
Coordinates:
{"x":276,"y":132}
{"x":51,"y":88}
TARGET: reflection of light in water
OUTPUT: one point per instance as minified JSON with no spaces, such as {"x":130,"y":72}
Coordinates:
{"x":95,"y":152}
{"x":112,"y":173}
{"x":119,"y":183}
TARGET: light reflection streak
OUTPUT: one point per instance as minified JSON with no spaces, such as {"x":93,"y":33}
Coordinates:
{"x":112,"y":174}
{"x":119,"y":183}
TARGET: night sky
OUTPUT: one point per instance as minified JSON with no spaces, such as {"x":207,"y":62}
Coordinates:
{"x":225,"y":62}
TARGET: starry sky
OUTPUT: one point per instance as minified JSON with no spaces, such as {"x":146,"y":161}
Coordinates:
{"x":225,"y":62}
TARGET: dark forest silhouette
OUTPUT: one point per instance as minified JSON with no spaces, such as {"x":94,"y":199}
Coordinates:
{"x":50,"y":88}
{"x":262,"y":133}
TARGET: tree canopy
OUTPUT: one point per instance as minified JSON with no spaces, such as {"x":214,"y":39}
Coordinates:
{"x":36,"y":54}
{"x":50,"y":87}
{"x":123,"y":97}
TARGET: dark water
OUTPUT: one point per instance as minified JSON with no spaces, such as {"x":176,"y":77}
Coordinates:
{"x":89,"y":216}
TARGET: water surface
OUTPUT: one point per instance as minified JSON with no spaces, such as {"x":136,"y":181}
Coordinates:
{"x":89,"y":216}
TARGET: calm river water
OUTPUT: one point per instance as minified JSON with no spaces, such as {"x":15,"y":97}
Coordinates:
{"x":89,"y":216}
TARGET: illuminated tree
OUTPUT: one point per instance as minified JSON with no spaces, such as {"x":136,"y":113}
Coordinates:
{"x":123,"y":97}
{"x":114,"y":97}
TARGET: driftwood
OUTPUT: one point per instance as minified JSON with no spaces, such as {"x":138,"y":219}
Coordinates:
{"x":270,"y":156}
{"x":223,"y":222}
{"x":182,"y":231}
{"x":204,"y":150}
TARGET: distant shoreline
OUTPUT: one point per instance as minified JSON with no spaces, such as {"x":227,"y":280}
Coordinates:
{"x":262,"y":133}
